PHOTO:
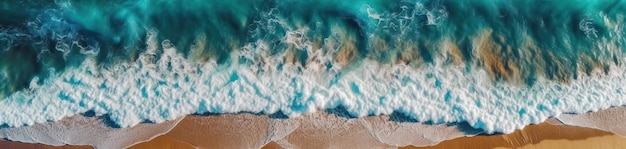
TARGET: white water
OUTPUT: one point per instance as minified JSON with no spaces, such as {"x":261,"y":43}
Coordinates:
{"x":170,"y":86}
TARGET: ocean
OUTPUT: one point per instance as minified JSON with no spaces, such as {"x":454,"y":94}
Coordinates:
{"x":498,"y":65}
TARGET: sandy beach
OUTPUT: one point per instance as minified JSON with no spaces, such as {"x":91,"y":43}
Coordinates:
{"x":331,"y":131}
{"x":542,"y":135}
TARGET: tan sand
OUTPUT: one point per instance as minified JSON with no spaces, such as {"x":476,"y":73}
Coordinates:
{"x":20,"y":145}
{"x":163,"y":142}
{"x":542,"y":135}
{"x":319,"y":130}
{"x":252,"y":131}
{"x":550,"y":134}
{"x":222,"y":131}
{"x":272,"y":145}
{"x":92,"y":131}
{"x":606,"y":142}
{"x":324,"y":130}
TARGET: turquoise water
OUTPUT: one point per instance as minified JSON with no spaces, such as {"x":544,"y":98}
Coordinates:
{"x":528,"y":45}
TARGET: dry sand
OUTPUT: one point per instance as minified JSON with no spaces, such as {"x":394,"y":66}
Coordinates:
{"x":335,"y":132}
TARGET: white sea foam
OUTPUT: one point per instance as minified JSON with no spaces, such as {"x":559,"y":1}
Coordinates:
{"x":170,"y":86}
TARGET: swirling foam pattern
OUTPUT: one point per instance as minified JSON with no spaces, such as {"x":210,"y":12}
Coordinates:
{"x":498,"y":65}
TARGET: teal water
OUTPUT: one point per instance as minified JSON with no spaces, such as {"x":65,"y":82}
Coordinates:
{"x":515,"y":42}
{"x":37,"y":36}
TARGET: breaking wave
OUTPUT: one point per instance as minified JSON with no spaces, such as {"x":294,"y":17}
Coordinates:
{"x":498,"y":65}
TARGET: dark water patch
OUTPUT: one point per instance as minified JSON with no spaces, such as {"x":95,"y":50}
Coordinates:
{"x":217,"y":114}
{"x":106,"y":119}
{"x":207,"y":114}
{"x":278,"y":115}
{"x":398,"y":116}
{"x":252,"y":113}
{"x":401,"y":117}
{"x":464,"y":127}
{"x":341,"y":111}
{"x":148,"y":122}
{"x":467,"y":129}
{"x":90,"y":113}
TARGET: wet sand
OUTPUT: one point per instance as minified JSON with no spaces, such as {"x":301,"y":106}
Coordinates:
{"x":308,"y":132}
{"x":542,"y":135}
{"x":19,"y":145}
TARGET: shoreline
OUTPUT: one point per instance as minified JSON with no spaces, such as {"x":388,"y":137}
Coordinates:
{"x":327,"y":130}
